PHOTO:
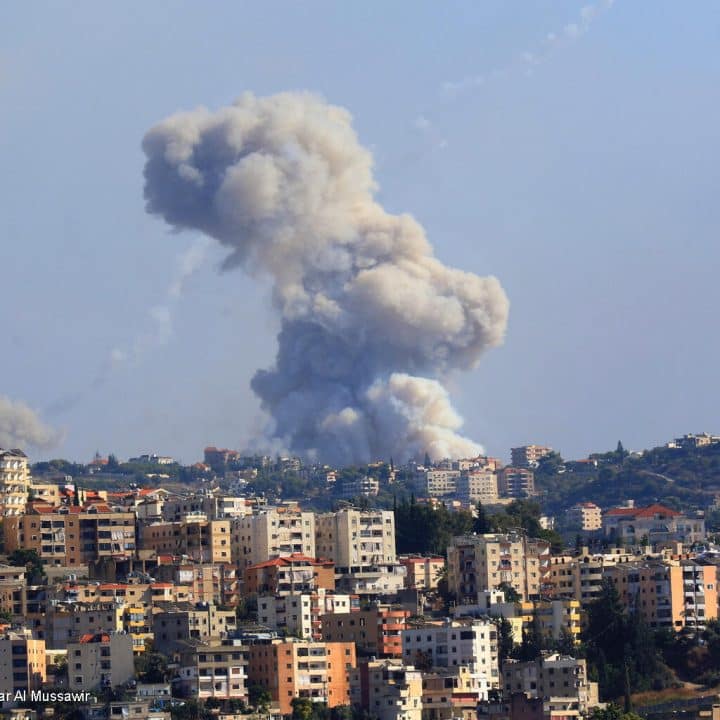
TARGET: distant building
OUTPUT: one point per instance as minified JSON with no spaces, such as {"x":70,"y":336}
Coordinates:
{"x":376,"y":631}
{"x":652,"y":524}
{"x":439,"y":482}
{"x":214,"y":670}
{"x":173,"y":623}
{"x":480,"y":485}
{"x":219,"y":458}
{"x":516,"y":482}
{"x":387,"y":690}
{"x":359,"y":487}
{"x":584,"y":516}
{"x":102,"y":660}
{"x":286,"y":575}
{"x":422,"y":572}
{"x":528,"y":456}
{"x":22,"y":662}
{"x":14,"y":482}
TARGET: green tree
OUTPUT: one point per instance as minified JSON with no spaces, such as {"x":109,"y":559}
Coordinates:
{"x":32,"y":562}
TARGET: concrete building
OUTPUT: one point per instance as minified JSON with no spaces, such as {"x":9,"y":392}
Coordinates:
{"x":477,"y":563}
{"x":102,"y":660}
{"x":654,"y":524}
{"x":358,"y":487}
{"x":528,"y":456}
{"x":215,"y":670}
{"x":300,"y":614}
{"x":22,"y":662}
{"x":72,"y":535}
{"x":387,"y":690}
{"x":584,"y":516}
{"x":356,"y":537}
{"x":440,"y":482}
{"x":376,"y":631}
{"x":471,"y":643}
{"x":480,"y":485}
{"x":318,"y":671}
{"x":66,"y":623}
{"x":291,"y":574}
{"x":174,"y":623}
{"x":270,"y":534}
{"x":203,"y":540}
{"x":516,"y":482}
{"x":14,"y":482}
{"x":453,"y":693}
{"x":422,"y":573}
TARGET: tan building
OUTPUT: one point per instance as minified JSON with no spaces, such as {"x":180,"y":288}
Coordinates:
{"x":22,"y":662}
{"x":14,"y":482}
{"x":652,"y":524}
{"x":203,"y":540}
{"x":480,"y":485}
{"x":440,"y":482}
{"x":72,"y":535}
{"x":215,"y":670}
{"x":13,"y":592}
{"x":103,"y":660}
{"x":453,"y":694}
{"x":271,"y":534}
{"x":516,"y":482}
{"x":422,"y":573}
{"x":46,"y":493}
{"x":354,"y":538}
{"x":584,"y":516}
{"x":376,"y":630}
{"x":528,"y":456}
{"x":294,"y":573}
{"x":387,"y":690}
{"x":67,"y":623}
{"x":174,"y":623}
{"x":477,"y":563}
{"x":318,"y":671}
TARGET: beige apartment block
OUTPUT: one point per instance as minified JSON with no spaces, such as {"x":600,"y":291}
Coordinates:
{"x":585,"y":516}
{"x":14,"y":482}
{"x":102,"y":660}
{"x":214,"y":670}
{"x":270,"y":534}
{"x":479,"y":485}
{"x":203,"y":540}
{"x":22,"y":662}
{"x":387,"y":690}
{"x":528,"y":456}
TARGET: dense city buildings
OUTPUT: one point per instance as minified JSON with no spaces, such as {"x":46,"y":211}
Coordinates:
{"x":14,"y":482}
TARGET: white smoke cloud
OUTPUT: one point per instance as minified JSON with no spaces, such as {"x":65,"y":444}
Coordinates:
{"x":371,"y":320}
{"x":20,"y":427}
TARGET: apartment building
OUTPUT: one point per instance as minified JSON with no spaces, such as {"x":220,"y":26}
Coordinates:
{"x":215,"y":670}
{"x":13,"y":591}
{"x":270,"y":534}
{"x":653,"y":524}
{"x":206,"y":582}
{"x":353,"y":538}
{"x":453,"y":643}
{"x":318,"y":671}
{"x":477,"y":563}
{"x":101,"y":660}
{"x":453,"y":693}
{"x":561,"y":682}
{"x":440,"y":482}
{"x":585,"y":516}
{"x":14,"y":482}
{"x":375,"y":630}
{"x":300,"y":614}
{"x":64,"y":624}
{"x":516,"y":482}
{"x":174,"y":623}
{"x":387,"y":690}
{"x":422,"y":573}
{"x":291,"y":574}
{"x":72,"y":535}
{"x":22,"y":662}
{"x":528,"y":456}
{"x":203,"y":540}
{"x":479,"y":485}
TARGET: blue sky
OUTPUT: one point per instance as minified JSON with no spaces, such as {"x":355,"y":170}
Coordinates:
{"x":582,"y":172}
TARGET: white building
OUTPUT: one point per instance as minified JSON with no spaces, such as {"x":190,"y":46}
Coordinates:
{"x":270,"y":534}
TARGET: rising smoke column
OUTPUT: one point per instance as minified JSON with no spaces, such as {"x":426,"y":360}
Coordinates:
{"x":21,"y":427}
{"x":371,"y":321}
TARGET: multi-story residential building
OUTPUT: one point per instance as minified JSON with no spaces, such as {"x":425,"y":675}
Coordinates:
{"x":516,"y":482}
{"x":477,"y":563}
{"x":45,"y":493}
{"x":271,"y":534}
{"x":440,"y":482}
{"x":215,"y":670}
{"x":219,"y":458}
{"x":387,"y":689}
{"x":203,"y":540}
{"x":376,"y":631}
{"x":66,"y":623}
{"x":528,"y":456}
{"x":585,"y":516}
{"x":422,"y":573}
{"x":72,"y":535}
{"x":453,"y":693}
{"x":291,"y":574}
{"x":13,"y":591}
{"x":454,"y":643}
{"x":479,"y":485}
{"x":175,"y":623}
{"x":561,"y":682}
{"x":356,"y":537}
{"x":359,"y":487}
{"x":102,"y":660}
{"x":299,"y":614}
{"x":22,"y":662}
{"x":14,"y":482}
{"x":318,"y":671}
{"x":652,"y":524}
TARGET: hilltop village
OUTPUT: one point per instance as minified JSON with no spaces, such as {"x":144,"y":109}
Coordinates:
{"x":250,"y":586}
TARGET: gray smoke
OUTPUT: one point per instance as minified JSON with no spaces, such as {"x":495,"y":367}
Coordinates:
{"x":20,"y":427}
{"x":371,"y":320}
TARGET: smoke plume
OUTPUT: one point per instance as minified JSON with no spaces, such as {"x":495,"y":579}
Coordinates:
{"x":20,"y":427}
{"x":371,"y":321}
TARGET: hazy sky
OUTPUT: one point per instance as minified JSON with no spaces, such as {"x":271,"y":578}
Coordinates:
{"x":571,"y":153}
